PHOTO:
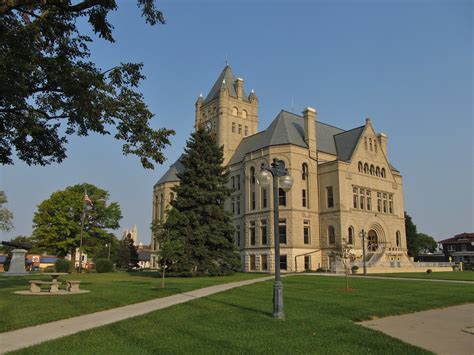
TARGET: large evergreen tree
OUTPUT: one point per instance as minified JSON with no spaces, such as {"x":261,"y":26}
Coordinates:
{"x":199,"y":219}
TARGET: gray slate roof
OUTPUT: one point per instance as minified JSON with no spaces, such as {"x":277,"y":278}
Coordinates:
{"x":230,"y":79}
{"x":171,"y":174}
{"x":288,"y":128}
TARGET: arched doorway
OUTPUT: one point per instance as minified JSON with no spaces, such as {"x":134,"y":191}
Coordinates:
{"x":372,"y":241}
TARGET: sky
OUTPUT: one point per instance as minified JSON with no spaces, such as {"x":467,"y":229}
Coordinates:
{"x":406,"y":64}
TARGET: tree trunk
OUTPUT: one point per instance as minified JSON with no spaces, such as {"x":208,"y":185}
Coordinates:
{"x":163,"y":277}
{"x":73,"y":260}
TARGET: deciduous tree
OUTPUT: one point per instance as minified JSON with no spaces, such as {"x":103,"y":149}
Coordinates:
{"x":50,"y":89}
{"x":6,"y":217}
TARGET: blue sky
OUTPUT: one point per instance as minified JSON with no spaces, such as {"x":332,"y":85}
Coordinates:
{"x":405,"y":64}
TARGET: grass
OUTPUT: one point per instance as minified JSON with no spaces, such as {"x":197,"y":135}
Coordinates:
{"x":442,"y":275}
{"x":107,"y":291}
{"x":320,"y":319}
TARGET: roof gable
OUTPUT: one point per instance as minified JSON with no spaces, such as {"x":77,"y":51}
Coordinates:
{"x":346,"y":142}
{"x":171,"y":174}
{"x":227,"y":79}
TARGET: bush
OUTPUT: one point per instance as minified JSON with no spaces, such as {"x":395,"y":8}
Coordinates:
{"x":49,"y":269}
{"x":104,"y":265}
{"x":429,"y":271}
{"x":62,"y":265}
{"x":354,"y":269}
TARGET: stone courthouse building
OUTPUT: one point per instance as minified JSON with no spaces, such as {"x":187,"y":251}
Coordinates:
{"x":343,"y":183}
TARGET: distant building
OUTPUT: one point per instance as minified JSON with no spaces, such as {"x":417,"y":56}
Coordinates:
{"x":133,"y":233}
{"x":460,"y":248}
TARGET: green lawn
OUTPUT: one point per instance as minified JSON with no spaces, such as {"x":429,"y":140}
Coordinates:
{"x":108,"y":291}
{"x":320,"y":319}
{"x":455,"y":275}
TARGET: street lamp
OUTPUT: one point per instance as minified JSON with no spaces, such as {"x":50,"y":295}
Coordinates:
{"x":281,"y":179}
{"x":363,"y":234}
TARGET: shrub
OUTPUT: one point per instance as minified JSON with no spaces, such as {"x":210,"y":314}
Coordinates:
{"x":49,"y":269}
{"x":354,"y":269}
{"x":104,"y":265}
{"x":62,"y":265}
{"x":429,"y":271}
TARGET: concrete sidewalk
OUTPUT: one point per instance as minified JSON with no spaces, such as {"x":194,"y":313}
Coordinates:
{"x":25,"y":337}
{"x":442,"y":331}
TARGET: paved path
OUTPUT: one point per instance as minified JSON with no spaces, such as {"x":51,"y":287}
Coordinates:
{"x":25,"y":337}
{"x":442,"y":331}
{"x":389,"y":278}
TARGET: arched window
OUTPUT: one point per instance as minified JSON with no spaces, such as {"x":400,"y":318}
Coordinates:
{"x":398,"y":239}
{"x":383,"y":172}
{"x":370,"y":143}
{"x":350,"y":235}
{"x":377,"y":171}
{"x":244,"y":113}
{"x":162,"y":207}
{"x":372,"y":170}
{"x":359,"y":167}
{"x":171,"y":196}
{"x":252,"y":175}
{"x":235,"y":111}
{"x":304,"y":171}
{"x":366,"y":168}
{"x":375,"y":146}
{"x":331,"y":235}
{"x":365,"y":143}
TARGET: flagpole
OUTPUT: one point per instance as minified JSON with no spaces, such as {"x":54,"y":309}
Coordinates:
{"x":82,"y":229}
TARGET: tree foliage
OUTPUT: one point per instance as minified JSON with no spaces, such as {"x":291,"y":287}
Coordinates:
{"x":57,"y":223}
{"x":50,"y":89}
{"x":6,"y":217}
{"x":198,"y":218}
{"x":417,"y":242}
{"x":127,"y":256}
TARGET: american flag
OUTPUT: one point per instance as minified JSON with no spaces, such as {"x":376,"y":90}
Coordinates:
{"x":87,"y":199}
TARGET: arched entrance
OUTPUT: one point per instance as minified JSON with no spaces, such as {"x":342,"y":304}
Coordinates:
{"x":372,"y":241}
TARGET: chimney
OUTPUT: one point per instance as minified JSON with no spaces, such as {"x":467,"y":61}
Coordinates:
{"x":239,"y":87}
{"x":309,"y":115}
{"x":382,"y":138}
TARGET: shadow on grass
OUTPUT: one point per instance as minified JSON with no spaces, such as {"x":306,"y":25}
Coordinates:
{"x":253,"y":310}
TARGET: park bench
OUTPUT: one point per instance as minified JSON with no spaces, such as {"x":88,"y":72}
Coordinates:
{"x":35,"y":286}
{"x":72,"y":285}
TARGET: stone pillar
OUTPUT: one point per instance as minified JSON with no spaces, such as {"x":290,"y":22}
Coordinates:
{"x":17,"y":263}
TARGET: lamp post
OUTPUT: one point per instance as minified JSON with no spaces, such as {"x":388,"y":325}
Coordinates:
{"x":363,"y":234}
{"x":282,"y":179}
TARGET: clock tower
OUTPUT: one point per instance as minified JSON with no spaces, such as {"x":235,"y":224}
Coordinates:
{"x":228,"y":111}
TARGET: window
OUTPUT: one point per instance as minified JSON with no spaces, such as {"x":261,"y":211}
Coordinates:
{"x":233,"y":127}
{"x":232,"y":180}
{"x":366,"y":168}
{"x":246,"y":133}
{"x":362,"y":199}
{"x":244,"y":114}
{"x":306,"y":232}
{"x":451,"y":248}
{"x":252,"y":175}
{"x":252,"y":233}
{"x":282,"y":230}
{"x":235,"y":111}
{"x":331,"y":235}
{"x":232,"y":202}
{"x":253,"y":201}
{"x":398,"y":239}
{"x":463,"y":247}
{"x":384,"y":203}
{"x":365,"y":143}
{"x":303,"y":197}
{"x":390,"y":204}
{"x":283,"y":262}
{"x":240,"y":129}
{"x":370,"y":143}
{"x":263,"y":231}
{"x":369,"y":200}
{"x":237,"y":202}
{"x":264,"y":261}
{"x":281,"y":197}
{"x":359,"y":167}
{"x":372,"y":170}
{"x":383,"y":173}
{"x":355,"y":197}
{"x":162,"y":207}
{"x":237,"y":235}
{"x":171,"y":196}
{"x":253,"y":264}
{"x":329,"y":197}
{"x":238,"y":182}
{"x":264,"y":198}
{"x":375,"y":146}
{"x":377,"y":171}
{"x":379,"y":201}
{"x":307,"y":262}
{"x":304,"y":172}
{"x":350,"y":235}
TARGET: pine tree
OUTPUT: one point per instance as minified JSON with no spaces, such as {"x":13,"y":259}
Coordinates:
{"x":200,"y":220}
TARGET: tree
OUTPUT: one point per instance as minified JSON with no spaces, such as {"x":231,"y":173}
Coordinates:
{"x":127,"y":256}
{"x":347,"y":256}
{"x":57,"y":223}
{"x":200,"y":219}
{"x":417,"y":242}
{"x":425,"y":243}
{"x":6,"y":216}
{"x":50,"y":90}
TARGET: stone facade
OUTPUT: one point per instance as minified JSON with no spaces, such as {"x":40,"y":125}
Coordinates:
{"x":343,"y":183}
